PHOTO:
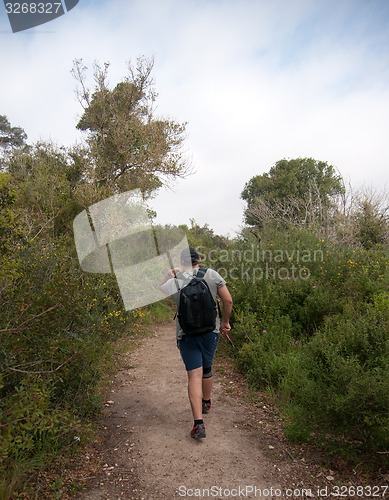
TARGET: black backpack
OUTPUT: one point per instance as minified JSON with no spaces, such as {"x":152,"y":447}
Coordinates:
{"x":197,"y":309}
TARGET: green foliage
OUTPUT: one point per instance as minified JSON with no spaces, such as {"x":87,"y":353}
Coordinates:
{"x":371,"y":225}
{"x":340,"y":385}
{"x":31,"y":424}
{"x":42,"y":176}
{"x":303,"y":187}
{"x":157,"y":312}
{"x":52,"y":295}
{"x":311,"y":316}
{"x":318,"y":339}
{"x":58,"y":323}
{"x":310,"y":324}
{"x":7,"y":216}
{"x":10,"y":237}
{"x":10,"y":137}
{"x":56,"y":331}
{"x":265,"y":358}
{"x":203,"y":238}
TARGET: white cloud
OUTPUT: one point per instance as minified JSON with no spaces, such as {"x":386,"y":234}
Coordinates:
{"x":257,"y":81}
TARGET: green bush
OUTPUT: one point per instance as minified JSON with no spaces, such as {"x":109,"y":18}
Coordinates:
{"x":56,"y":332}
{"x":340,"y":385}
{"x":268,"y":352}
{"x":320,"y":341}
{"x":31,"y":424}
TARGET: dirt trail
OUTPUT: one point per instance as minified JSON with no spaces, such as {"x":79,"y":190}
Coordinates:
{"x":146,"y":450}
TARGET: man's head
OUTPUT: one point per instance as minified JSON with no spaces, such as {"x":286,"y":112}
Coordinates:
{"x":189,"y":257}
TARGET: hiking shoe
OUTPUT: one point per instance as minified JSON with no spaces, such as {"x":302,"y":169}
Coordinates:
{"x":206,"y":407}
{"x":198,"y":431}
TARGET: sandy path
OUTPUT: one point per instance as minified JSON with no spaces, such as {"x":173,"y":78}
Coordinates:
{"x":146,"y":450}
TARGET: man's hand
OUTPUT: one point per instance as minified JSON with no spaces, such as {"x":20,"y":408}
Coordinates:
{"x":171,"y":273}
{"x":224,"y":327}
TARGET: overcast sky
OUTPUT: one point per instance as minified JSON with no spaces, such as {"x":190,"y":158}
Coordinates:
{"x":256,"y":80}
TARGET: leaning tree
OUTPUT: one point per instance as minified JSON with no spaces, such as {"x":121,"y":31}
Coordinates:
{"x":128,"y":146}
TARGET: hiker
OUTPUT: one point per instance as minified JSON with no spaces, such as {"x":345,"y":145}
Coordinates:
{"x":197,"y":351}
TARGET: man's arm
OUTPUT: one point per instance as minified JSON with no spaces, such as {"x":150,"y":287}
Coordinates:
{"x":226,"y":299}
{"x":170,"y":273}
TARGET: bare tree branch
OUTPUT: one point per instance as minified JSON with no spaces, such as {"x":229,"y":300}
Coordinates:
{"x":23,"y":325}
{"x":44,"y":372}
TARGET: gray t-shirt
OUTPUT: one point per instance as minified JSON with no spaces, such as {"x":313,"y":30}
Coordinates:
{"x":213,"y":279}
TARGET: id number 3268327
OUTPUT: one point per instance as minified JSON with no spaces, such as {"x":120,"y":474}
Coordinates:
{"x":33,"y":8}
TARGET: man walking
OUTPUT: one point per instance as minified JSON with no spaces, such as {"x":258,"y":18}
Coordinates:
{"x":198,"y":351}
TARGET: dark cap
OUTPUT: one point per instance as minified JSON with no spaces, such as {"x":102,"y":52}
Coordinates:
{"x":189,"y":256}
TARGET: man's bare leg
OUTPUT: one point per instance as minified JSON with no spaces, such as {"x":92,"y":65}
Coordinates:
{"x":195,"y":392}
{"x":207,"y":388}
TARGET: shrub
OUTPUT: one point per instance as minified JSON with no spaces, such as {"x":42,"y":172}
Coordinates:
{"x":266,"y":356}
{"x":340,"y":385}
{"x":31,"y":424}
{"x":56,"y":332}
{"x":320,"y":341}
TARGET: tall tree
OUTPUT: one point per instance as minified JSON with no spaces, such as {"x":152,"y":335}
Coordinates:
{"x":372,"y":224}
{"x":10,"y":138}
{"x":300,"y":190}
{"x":128,"y":146}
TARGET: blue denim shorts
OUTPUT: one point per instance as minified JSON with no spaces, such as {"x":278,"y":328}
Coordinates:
{"x":199,"y":350}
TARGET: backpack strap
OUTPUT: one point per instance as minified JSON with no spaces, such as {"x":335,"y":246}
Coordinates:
{"x":180,"y":275}
{"x":201,"y":272}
